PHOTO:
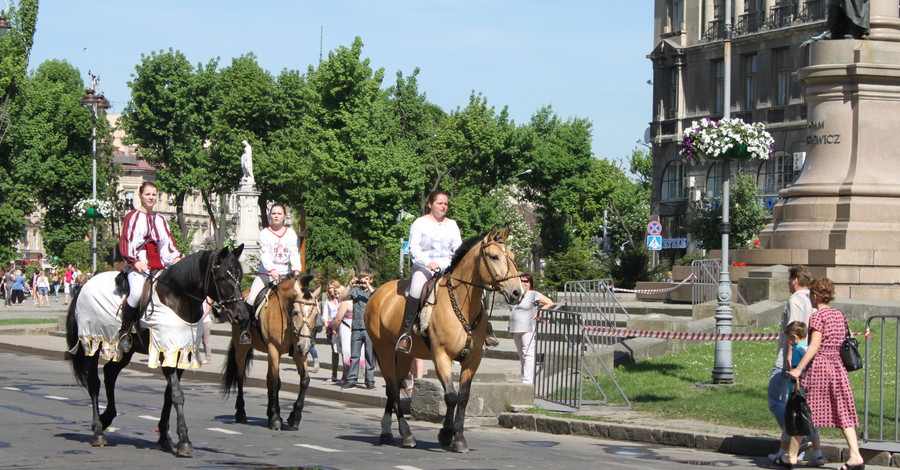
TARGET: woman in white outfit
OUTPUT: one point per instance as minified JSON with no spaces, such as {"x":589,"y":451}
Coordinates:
{"x":329,"y":313}
{"x":522,"y":320}
{"x":433,"y":238}
{"x":146,"y":245}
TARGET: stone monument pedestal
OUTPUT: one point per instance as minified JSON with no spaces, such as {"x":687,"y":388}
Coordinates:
{"x":842,"y":215}
{"x":248,"y":225}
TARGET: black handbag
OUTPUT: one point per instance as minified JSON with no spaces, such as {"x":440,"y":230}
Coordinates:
{"x":797,"y":415}
{"x":850,"y":353}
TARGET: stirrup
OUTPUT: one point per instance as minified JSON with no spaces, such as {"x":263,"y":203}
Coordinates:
{"x":245,"y":337}
{"x":491,"y":341}
{"x":404,"y":350}
{"x":125,"y":342}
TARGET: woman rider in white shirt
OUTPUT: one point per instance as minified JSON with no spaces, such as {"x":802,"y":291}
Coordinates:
{"x":279,"y":254}
{"x":433,"y":239}
{"x":146,"y":245}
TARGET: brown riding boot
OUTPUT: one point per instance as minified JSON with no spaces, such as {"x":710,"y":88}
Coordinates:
{"x":405,"y":342}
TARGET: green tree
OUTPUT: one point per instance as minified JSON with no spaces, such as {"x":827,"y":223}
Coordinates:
{"x":168,"y":118}
{"x":746,"y":215}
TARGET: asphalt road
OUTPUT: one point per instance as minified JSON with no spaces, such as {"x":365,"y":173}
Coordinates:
{"x":46,"y":424}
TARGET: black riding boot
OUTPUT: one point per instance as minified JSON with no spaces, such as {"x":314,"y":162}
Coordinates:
{"x":405,"y":341}
{"x":130,"y":316}
{"x":245,"y":329}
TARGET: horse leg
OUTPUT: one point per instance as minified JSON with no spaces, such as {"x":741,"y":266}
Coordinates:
{"x":462,"y":400}
{"x":297,"y":412}
{"x":241,"y":354}
{"x":442,"y":365}
{"x":93,"y":382}
{"x":111,"y":372}
{"x":273,"y":385}
{"x":175,"y":396}
{"x":165,"y":442}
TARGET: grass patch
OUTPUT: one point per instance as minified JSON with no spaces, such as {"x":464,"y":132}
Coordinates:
{"x":26,"y":321}
{"x":678,"y":386}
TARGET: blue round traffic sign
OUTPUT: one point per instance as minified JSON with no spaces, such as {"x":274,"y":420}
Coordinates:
{"x":654,"y":228}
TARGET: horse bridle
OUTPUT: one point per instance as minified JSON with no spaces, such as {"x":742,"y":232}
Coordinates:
{"x":495,"y":281}
{"x":218,"y":305}
{"x":305,"y":320}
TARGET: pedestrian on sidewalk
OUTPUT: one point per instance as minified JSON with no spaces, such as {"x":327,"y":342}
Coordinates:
{"x":522,"y":320}
{"x":43,"y":289}
{"x":17,"y":294}
{"x":827,"y":385}
{"x":69,"y":278}
{"x":359,"y":292}
{"x":797,"y":333}
{"x":206,"y":322}
{"x":342,"y":331}
{"x":329,"y":313}
{"x":798,"y":308}
{"x":6,"y":280}
{"x":54,"y":284}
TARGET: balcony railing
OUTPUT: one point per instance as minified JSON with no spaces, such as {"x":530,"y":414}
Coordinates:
{"x":781,"y":15}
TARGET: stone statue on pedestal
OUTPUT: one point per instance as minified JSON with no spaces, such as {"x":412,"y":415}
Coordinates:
{"x":247,"y":163}
{"x":847,"y":19}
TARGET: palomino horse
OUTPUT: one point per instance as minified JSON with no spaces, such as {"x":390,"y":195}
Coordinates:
{"x":170,"y":332}
{"x":455,"y":332}
{"x":285,"y":325}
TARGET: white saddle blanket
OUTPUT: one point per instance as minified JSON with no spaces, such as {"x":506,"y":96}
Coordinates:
{"x":173,"y":341}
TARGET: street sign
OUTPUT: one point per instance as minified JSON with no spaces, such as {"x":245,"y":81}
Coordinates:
{"x":674,"y":243}
{"x":654,"y":228}
{"x":405,"y":249}
{"x":654,"y":242}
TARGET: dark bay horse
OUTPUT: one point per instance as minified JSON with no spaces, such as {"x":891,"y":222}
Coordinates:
{"x":456,"y":330}
{"x":170,"y":333}
{"x":285,"y":326}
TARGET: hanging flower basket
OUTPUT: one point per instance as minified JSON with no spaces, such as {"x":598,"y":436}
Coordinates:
{"x":93,"y":208}
{"x":728,"y":139}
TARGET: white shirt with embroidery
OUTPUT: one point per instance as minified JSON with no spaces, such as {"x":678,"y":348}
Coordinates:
{"x":278,"y":251}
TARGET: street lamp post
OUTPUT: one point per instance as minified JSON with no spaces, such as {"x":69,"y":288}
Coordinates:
{"x":95,"y":102}
{"x":723,"y":369}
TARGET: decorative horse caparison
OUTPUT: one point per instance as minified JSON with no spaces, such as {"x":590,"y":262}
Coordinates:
{"x":455,"y":332}
{"x":285,"y":326}
{"x":169,"y":332}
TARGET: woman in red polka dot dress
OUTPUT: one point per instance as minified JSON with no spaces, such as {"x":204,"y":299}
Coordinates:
{"x":827,"y":385}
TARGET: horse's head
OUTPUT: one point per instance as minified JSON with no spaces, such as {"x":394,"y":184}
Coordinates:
{"x":500,"y":263}
{"x":224,"y":287}
{"x":303,"y":314}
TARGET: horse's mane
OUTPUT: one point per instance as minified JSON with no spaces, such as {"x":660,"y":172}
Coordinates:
{"x":467,"y":245}
{"x":186,"y":272}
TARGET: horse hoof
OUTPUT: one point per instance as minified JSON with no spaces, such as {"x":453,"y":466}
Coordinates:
{"x":294,"y":421}
{"x":240,"y":418}
{"x":460,"y":446}
{"x":164,"y":444}
{"x":275,"y":424}
{"x":106,"y":419}
{"x":184,"y":448}
{"x":408,"y":442}
{"x":98,"y":441}
{"x":445,"y":437}
{"x":386,"y":438}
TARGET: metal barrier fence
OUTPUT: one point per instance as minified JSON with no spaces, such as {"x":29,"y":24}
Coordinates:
{"x":596,"y":300}
{"x":568,"y":364}
{"x":881,"y":413}
{"x":706,"y":281}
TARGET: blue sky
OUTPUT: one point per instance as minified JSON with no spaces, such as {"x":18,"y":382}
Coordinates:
{"x":585,"y":58}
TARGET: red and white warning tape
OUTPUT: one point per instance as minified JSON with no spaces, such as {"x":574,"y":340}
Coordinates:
{"x":622,"y":332}
{"x":654,"y":291}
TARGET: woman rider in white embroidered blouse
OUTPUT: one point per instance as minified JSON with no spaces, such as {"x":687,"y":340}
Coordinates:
{"x":278,"y":252}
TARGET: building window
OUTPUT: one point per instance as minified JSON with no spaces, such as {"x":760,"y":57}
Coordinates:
{"x":676,"y":15}
{"x":782,"y":77}
{"x":714,"y":181}
{"x":750,"y":68}
{"x":719,"y":73}
{"x":129,"y":200}
{"x":776,"y":173}
{"x":673,"y":93}
{"x":673,"y":182}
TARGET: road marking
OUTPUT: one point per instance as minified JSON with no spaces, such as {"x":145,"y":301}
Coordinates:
{"x":407,"y":467}
{"x":151,"y":418}
{"x":14,"y":389}
{"x":320,"y":448}
{"x":54,"y":397}
{"x":224,"y":431}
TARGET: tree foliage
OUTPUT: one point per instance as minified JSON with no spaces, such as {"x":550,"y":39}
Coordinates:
{"x":746,"y":215}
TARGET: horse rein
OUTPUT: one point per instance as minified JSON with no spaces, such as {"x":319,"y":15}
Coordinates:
{"x":216,"y":305}
{"x":290,"y":314}
{"x":495,"y":281}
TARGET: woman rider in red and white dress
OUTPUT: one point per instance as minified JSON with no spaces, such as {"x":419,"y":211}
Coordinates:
{"x":146,"y":245}
{"x":279,"y":253}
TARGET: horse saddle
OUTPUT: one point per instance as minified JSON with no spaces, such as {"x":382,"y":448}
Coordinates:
{"x":426,"y":304}
{"x":262,"y":299}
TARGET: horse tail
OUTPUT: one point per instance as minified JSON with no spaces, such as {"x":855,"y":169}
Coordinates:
{"x":79,"y":360}
{"x":230,"y":374}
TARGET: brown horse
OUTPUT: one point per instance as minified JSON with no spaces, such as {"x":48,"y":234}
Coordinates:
{"x":285,"y":326}
{"x":456,"y":330}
